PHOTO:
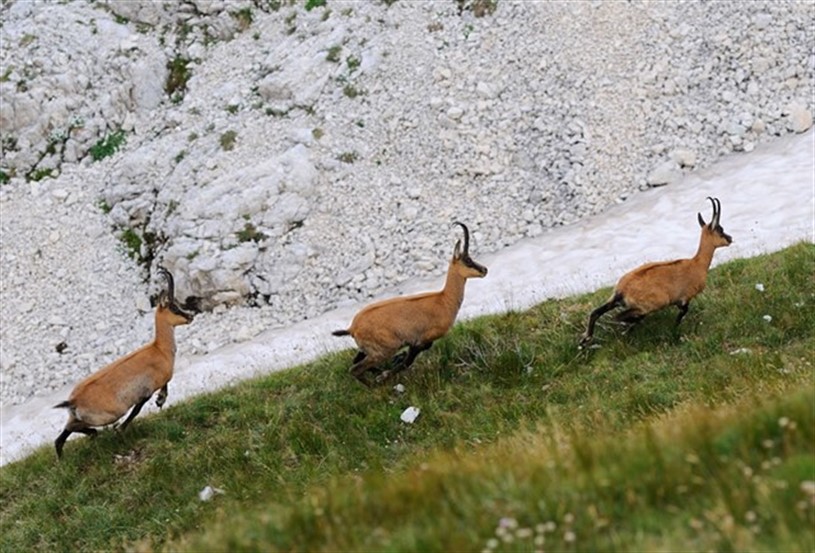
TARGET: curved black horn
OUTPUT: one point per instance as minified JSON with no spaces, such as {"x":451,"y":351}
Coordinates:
{"x":716,"y":211}
{"x":170,"y":283}
{"x":466,"y":236}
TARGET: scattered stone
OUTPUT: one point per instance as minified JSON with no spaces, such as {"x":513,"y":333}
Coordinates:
{"x":410,"y":414}
{"x":292,"y":183}
{"x":663,"y":174}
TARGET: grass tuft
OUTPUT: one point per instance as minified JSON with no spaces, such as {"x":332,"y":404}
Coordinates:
{"x":699,"y":438}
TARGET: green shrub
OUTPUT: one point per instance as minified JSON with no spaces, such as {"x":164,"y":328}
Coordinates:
{"x":227,"y":140}
{"x":108,"y":145}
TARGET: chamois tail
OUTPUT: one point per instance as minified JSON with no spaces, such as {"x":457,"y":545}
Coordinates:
{"x":341,"y":333}
{"x":64,"y":405}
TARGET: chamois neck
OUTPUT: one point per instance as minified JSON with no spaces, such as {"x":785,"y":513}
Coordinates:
{"x":165,"y":334}
{"x":453,"y":292}
{"x":704,"y":254}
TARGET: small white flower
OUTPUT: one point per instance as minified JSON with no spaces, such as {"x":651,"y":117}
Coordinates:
{"x":399,"y":388}
{"x":760,"y":287}
{"x":508,"y":522}
{"x":767,"y":318}
{"x":523,"y":533}
{"x":808,"y":487}
{"x":569,"y":536}
{"x":492,"y":543}
{"x":783,"y":422}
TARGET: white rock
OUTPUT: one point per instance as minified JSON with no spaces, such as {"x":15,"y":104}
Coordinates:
{"x":208,"y":492}
{"x":799,"y":118}
{"x":410,"y":414}
{"x":665,"y":173}
{"x":684,"y":157}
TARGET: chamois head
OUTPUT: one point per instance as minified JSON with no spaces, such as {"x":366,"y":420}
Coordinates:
{"x":167,"y":303}
{"x":462,"y":260}
{"x":713,"y":230}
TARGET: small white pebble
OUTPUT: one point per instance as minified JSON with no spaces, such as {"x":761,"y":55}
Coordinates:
{"x":767,"y":318}
{"x":760,"y":287}
{"x":410,"y":414}
{"x":208,"y":493}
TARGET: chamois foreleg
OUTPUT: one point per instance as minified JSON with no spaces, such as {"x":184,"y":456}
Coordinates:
{"x":161,"y":397}
{"x":630,"y":316}
{"x":614,"y":302}
{"x":683,"y":310}
{"x":133,"y":413}
{"x":404,"y":360}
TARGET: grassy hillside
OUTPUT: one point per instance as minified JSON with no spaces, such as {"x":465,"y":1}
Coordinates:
{"x":701,"y":438}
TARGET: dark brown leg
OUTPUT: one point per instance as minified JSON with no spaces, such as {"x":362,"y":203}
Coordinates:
{"x":70,"y":429}
{"x":683,"y":310}
{"x":629,"y":316}
{"x":60,"y":442}
{"x":404,"y":360}
{"x":615,"y":301}
{"x":133,"y":413}
{"x":162,"y":396}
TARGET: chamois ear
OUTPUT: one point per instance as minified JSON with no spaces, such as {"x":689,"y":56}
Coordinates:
{"x":457,"y":250}
{"x":701,"y":221}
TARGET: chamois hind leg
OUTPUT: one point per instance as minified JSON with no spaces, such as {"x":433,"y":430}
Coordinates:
{"x":133,"y":413}
{"x":364,"y":362}
{"x":404,"y":360}
{"x":70,"y":428}
{"x":615,"y":301}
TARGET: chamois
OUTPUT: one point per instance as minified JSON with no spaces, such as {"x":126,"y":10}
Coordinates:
{"x":105,"y":396}
{"x":654,"y":286}
{"x":383,"y":328}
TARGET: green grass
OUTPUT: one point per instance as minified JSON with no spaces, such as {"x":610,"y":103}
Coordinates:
{"x":658,"y":440}
{"x":108,"y":145}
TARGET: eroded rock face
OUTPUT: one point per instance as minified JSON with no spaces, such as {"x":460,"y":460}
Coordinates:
{"x":297,"y":160}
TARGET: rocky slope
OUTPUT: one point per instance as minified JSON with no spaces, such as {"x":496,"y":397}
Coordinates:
{"x":282,"y":160}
